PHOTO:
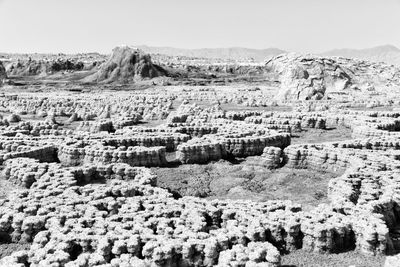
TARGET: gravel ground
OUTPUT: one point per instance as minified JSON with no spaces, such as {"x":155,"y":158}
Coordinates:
{"x":224,"y":180}
{"x":301,"y":258}
{"x":313,"y":136}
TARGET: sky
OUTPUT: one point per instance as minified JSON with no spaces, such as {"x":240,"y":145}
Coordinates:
{"x":313,"y":26}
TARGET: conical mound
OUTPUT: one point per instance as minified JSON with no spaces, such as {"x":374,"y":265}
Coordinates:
{"x":126,"y":65}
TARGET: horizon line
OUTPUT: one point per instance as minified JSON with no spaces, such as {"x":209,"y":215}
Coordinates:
{"x":211,"y":48}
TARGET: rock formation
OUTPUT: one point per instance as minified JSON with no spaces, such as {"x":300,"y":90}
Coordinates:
{"x":42,"y":68}
{"x":307,"y":77}
{"x":126,"y":64}
{"x":3,"y":74}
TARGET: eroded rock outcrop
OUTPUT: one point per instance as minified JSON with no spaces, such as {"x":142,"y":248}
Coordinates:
{"x":31,"y":67}
{"x":3,"y":74}
{"x":126,"y":64}
{"x":72,"y":219}
{"x":215,"y":147}
{"x":309,"y":77}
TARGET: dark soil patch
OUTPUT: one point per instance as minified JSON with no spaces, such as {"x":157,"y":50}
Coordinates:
{"x":196,"y":180}
{"x":237,"y":107}
{"x":313,"y":136}
{"x":224,"y":180}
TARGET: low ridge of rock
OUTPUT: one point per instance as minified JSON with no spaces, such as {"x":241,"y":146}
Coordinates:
{"x":32,"y":67}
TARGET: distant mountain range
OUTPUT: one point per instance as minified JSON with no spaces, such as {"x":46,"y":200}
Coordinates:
{"x":386,"y":53}
{"x":233,"y":53}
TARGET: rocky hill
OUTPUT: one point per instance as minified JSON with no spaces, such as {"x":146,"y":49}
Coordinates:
{"x":126,"y":64}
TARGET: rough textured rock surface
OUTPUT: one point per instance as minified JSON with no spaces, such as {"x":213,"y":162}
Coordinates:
{"x":3,"y":74}
{"x":42,"y":67}
{"x":392,"y":261}
{"x":125,"y":65}
{"x":306,"y":77}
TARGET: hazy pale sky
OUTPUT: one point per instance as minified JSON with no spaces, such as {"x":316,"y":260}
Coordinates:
{"x":99,"y":25}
